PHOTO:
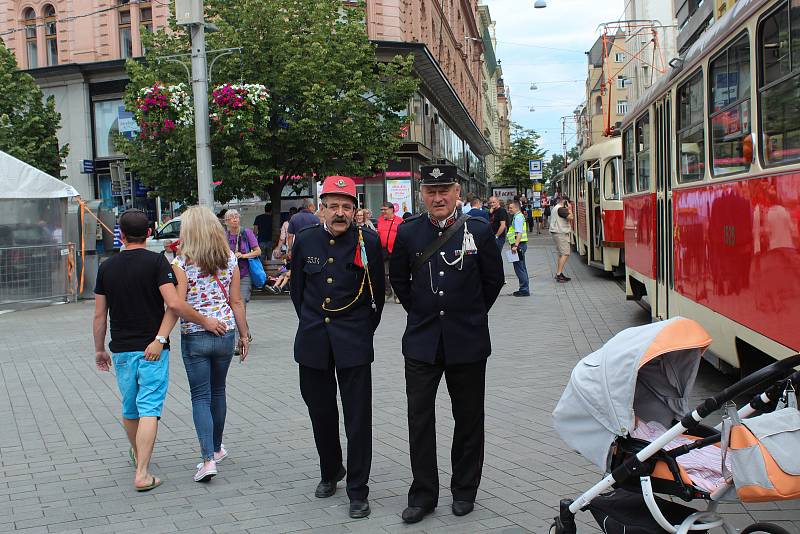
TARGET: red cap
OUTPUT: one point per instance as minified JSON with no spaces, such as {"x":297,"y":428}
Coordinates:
{"x":340,"y":185}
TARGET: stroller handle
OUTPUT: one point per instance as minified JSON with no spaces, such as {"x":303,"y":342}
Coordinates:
{"x":774,"y":371}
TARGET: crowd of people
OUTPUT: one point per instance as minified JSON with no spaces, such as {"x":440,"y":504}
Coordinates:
{"x":443,"y":267}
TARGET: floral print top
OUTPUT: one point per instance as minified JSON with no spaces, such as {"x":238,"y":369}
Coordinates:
{"x":204,"y":294}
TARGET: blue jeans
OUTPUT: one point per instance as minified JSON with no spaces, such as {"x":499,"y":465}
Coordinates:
{"x":521,"y":269}
{"x":207,"y":358}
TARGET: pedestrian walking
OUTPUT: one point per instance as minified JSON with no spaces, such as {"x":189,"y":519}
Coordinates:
{"x":208,"y":278}
{"x":498,"y":218}
{"x":132,"y":288}
{"x":337,"y":288}
{"x":388,"y":223}
{"x":446,"y":270}
{"x":262,"y":227}
{"x":477,"y":209}
{"x":517,"y":237}
{"x":305,"y":217}
{"x":560,"y":228}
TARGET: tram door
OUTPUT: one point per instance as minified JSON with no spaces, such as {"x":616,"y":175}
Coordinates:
{"x":664,"y":222}
{"x":594,"y":234}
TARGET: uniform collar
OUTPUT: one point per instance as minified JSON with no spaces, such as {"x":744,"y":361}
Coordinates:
{"x":445,"y":223}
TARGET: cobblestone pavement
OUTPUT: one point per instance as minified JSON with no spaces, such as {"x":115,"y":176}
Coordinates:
{"x":63,"y":455}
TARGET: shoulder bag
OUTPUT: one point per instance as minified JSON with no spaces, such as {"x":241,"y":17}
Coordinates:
{"x":258,"y":277}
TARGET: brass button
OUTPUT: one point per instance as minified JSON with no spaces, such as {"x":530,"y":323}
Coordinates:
{"x":332,"y":242}
{"x":327,"y":300}
{"x":327,"y":320}
{"x":329,"y":280}
{"x":441,"y":273}
{"x":441,"y":293}
{"x":441,"y":312}
{"x":330,"y":260}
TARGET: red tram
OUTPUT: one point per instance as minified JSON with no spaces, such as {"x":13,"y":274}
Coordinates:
{"x":711,"y":174}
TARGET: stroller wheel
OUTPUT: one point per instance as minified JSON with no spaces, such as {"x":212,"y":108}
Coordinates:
{"x":764,"y":528}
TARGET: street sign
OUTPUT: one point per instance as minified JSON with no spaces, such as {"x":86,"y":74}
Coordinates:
{"x":87,"y":166}
{"x":535,"y":168}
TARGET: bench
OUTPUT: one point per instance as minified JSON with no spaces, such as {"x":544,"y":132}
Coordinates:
{"x":272,"y":268}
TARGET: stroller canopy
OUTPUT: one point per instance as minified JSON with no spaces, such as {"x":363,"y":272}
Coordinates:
{"x":646,"y":371}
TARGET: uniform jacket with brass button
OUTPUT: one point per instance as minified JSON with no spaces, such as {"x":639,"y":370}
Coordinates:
{"x":444,"y":302}
{"x":324,"y":274}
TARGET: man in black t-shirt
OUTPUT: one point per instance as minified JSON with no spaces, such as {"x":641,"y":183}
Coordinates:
{"x":132,"y":288}
{"x":262,"y":227}
{"x":498,"y":217}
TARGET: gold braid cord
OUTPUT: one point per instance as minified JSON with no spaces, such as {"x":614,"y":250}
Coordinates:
{"x":364,"y":279}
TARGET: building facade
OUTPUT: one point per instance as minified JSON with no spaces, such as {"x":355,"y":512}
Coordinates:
{"x":503,"y":114}
{"x":693,"y":17}
{"x":489,"y":74}
{"x":593,"y":118}
{"x":76,"y":51}
{"x":650,"y":43}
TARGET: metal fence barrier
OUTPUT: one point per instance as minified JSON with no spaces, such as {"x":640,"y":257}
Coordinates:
{"x":35,"y":273}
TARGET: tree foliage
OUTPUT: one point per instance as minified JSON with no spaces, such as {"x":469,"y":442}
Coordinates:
{"x":514,"y":170}
{"x":334,"y":108}
{"x":28,"y":121}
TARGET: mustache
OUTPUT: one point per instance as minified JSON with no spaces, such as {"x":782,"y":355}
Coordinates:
{"x":340,"y":219}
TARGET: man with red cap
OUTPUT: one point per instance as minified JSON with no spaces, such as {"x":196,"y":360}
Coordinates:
{"x":337,"y":288}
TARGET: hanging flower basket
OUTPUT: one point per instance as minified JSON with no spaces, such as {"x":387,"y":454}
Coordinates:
{"x":161,"y":109}
{"x":239,"y":109}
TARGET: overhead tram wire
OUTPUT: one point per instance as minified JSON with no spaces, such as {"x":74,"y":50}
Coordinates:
{"x":70,"y":18}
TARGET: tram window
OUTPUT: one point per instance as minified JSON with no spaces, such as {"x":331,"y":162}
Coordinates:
{"x":594,"y":168}
{"x":643,"y":153}
{"x":691,"y":136}
{"x":731,"y":143}
{"x":611,"y":179}
{"x":780,"y":85}
{"x":629,"y":163}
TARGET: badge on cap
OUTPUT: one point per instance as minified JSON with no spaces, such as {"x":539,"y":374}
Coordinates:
{"x":341,"y":183}
{"x":436,"y":173}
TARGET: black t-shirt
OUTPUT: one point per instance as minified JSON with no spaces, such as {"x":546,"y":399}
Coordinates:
{"x":130,"y":282}
{"x":264,"y":223}
{"x":496,"y":217}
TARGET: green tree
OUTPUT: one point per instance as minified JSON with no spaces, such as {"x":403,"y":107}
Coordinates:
{"x":28,"y":121}
{"x":553,"y":167}
{"x":514,"y":170}
{"x":334,"y":108}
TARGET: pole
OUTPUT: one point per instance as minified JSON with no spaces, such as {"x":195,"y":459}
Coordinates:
{"x":202,"y":134}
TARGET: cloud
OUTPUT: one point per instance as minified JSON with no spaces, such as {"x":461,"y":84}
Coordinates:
{"x":527,"y":39}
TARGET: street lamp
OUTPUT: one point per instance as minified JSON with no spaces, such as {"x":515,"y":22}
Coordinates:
{"x":539,"y":4}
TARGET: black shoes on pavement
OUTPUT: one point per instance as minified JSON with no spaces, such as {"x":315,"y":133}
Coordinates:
{"x":561,"y":278}
{"x":326,"y":488}
{"x":462,"y":507}
{"x":520,"y":294}
{"x":359,"y":509}
{"x":415,"y":514}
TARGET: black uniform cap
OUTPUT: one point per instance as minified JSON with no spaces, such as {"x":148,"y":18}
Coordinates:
{"x":438,"y":174}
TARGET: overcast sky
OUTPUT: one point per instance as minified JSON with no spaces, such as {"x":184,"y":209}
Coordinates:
{"x":547,"y":45}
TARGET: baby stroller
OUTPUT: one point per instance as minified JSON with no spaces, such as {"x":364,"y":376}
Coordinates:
{"x":638,"y":384}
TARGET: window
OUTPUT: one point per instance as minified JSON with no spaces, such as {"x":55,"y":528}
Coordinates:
{"x":106,"y":127}
{"x":146,"y":18}
{"x":691,"y":136}
{"x":125,"y":40}
{"x":611,"y":178}
{"x":620,"y":82}
{"x":731,"y":142}
{"x":51,"y":39}
{"x":643,"y":153}
{"x":779,"y":41}
{"x":598,"y":105}
{"x":622,"y":107}
{"x":31,"y":50}
{"x":629,"y":162}
{"x":619,"y":57}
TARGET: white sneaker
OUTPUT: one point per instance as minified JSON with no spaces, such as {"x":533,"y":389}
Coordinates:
{"x":223,"y":454}
{"x":204,"y":474}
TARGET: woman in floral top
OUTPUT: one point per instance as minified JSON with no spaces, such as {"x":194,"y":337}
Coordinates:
{"x":208,"y":278}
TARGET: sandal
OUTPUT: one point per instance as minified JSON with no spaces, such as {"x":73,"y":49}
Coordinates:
{"x":132,"y":456}
{"x":154,"y":484}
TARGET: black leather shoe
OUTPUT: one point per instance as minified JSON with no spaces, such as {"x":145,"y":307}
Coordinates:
{"x":462,"y":507}
{"x":326,"y":488}
{"x":414,"y":514}
{"x":359,"y":509}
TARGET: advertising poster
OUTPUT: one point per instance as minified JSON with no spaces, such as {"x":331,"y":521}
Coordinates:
{"x":399,"y":193}
{"x":504,"y":193}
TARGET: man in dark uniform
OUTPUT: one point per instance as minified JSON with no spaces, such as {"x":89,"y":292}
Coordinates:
{"x":337,"y":288}
{"x":447,"y":273}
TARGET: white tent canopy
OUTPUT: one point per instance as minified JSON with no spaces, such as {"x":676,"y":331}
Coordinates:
{"x":22,"y":181}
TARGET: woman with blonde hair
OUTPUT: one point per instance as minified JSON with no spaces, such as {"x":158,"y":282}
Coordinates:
{"x":361,"y":219}
{"x":208,"y":278}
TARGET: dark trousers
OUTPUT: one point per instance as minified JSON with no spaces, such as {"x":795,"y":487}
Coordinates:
{"x":466,"y":385}
{"x":318,"y":387}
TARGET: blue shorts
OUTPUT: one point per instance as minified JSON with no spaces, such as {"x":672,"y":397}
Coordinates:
{"x":142,"y":384}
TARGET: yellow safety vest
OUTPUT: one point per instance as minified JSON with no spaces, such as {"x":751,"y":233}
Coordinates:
{"x":511,"y":235}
